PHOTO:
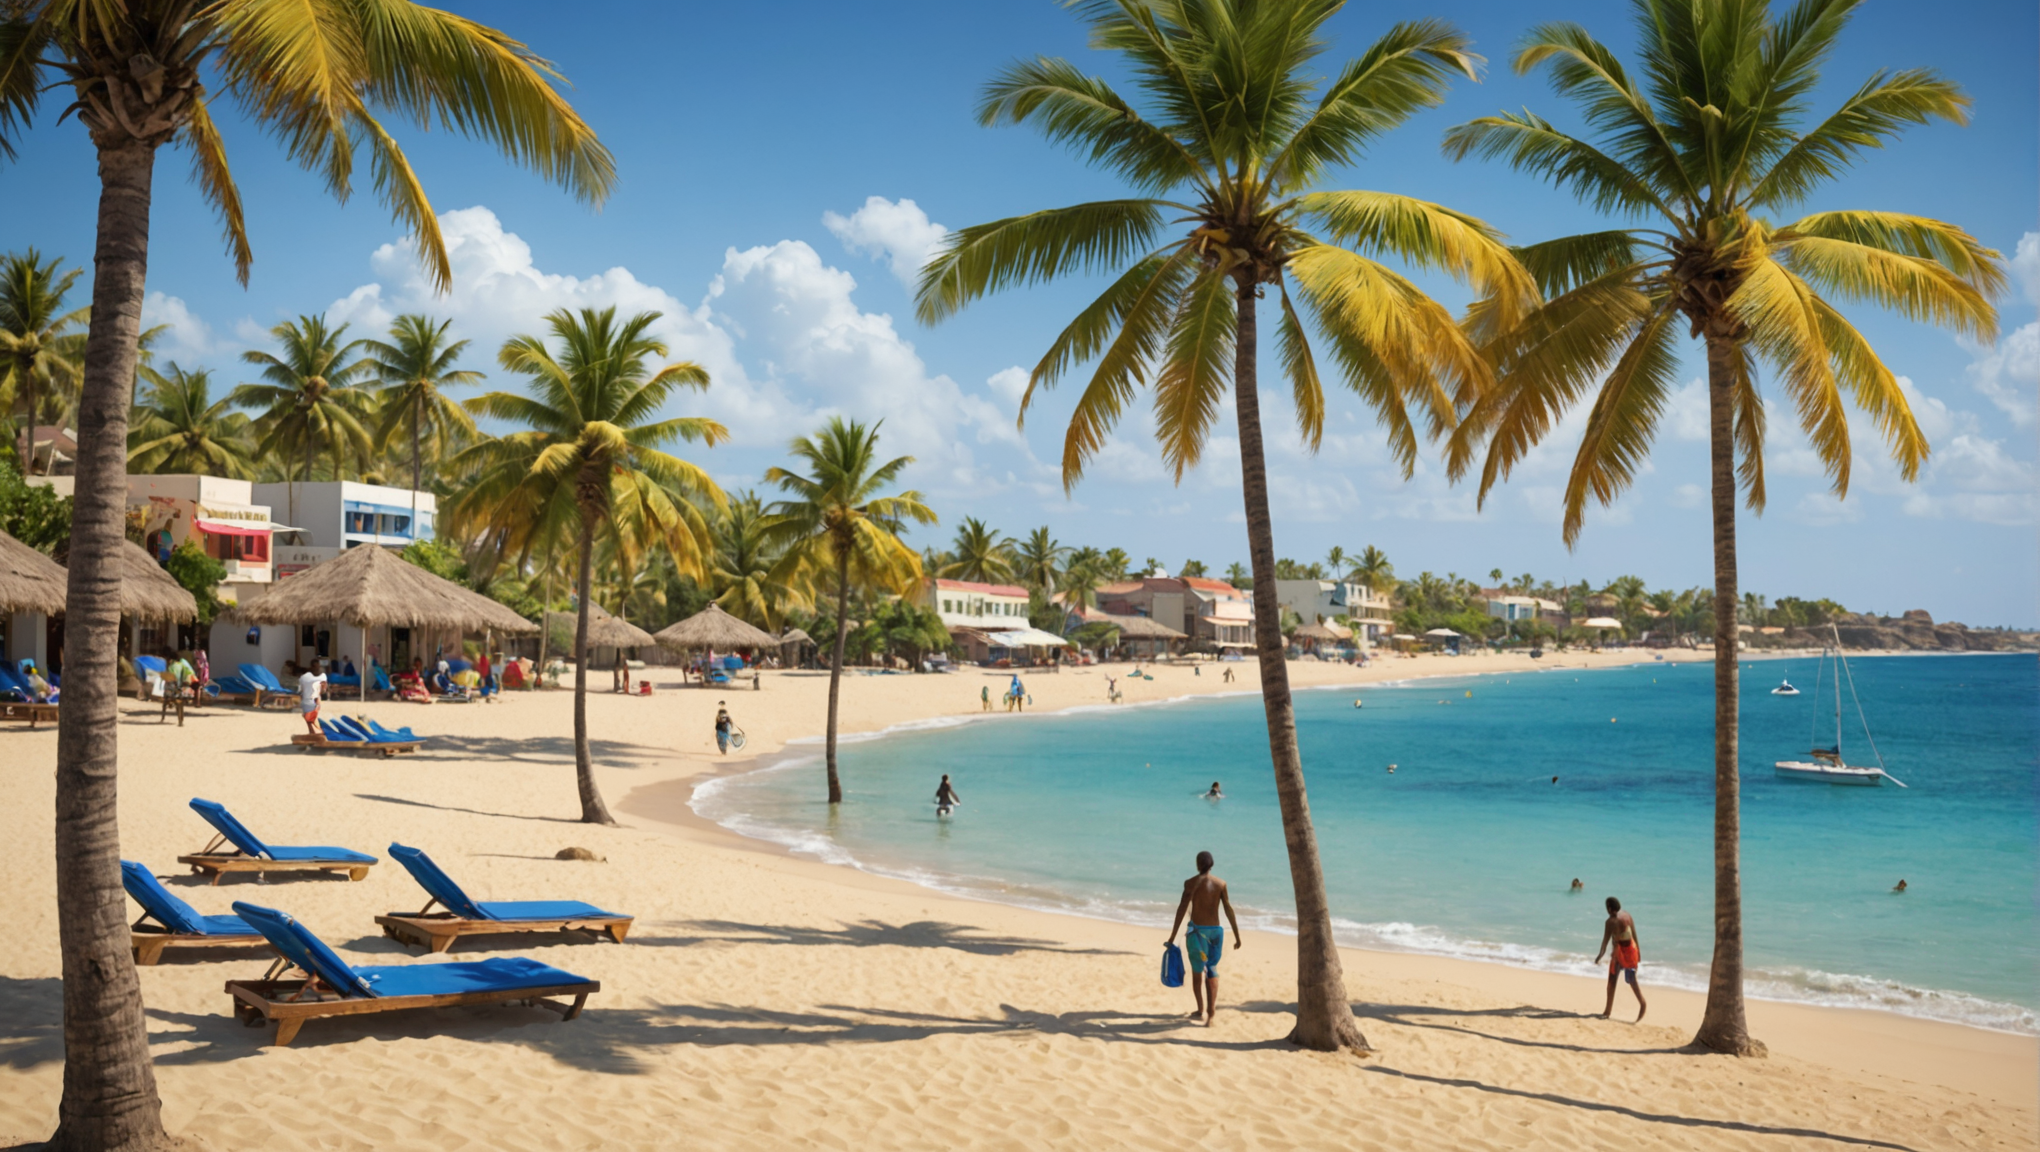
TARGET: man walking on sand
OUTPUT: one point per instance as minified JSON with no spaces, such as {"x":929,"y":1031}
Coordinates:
{"x":1620,"y":930}
{"x":311,"y":684}
{"x":1203,"y":896}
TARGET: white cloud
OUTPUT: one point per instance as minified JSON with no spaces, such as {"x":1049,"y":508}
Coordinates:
{"x":1687,"y":412}
{"x":1009,"y":384}
{"x":1689,"y":496}
{"x":1821,"y":508}
{"x":188,"y":337}
{"x":2008,"y":372}
{"x":889,"y":230}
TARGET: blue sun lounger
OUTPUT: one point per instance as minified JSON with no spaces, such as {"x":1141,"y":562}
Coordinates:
{"x":376,"y":731}
{"x":348,"y":735}
{"x":252,"y":855}
{"x":464,"y":917}
{"x":177,"y":924}
{"x":331,"y":987}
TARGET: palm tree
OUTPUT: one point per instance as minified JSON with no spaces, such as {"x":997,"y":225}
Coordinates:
{"x":1192,"y":568}
{"x":1080,"y":578}
{"x":178,"y":427}
{"x":312,"y":398}
{"x":748,"y":580}
{"x":1699,"y":151}
{"x":1374,"y":570}
{"x":1116,"y":563}
{"x":314,"y":77}
{"x":41,"y":345}
{"x":1245,"y":122}
{"x":835,"y":524}
{"x":592,"y":458}
{"x":415,"y":368}
{"x":1335,"y":562}
{"x":1236,"y":574}
{"x":1037,"y":560}
{"x":979,"y":554}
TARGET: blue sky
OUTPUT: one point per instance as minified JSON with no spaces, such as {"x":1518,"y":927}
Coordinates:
{"x":784,"y":167}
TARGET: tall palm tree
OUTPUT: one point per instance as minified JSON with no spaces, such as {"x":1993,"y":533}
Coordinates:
{"x":590,"y":457}
{"x":1241,"y":122}
{"x":314,"y":77}
{"x":1080,"y":577}
{"x":980,"y":553}
{"x":312,"y":397}
{"x":1335,"y":562}
{"x":836,"y":525}
{"x":178,"y":427}
{"x":41,"y":345}
{"x":1374,"y":570}
{"x":1236,"y":574}
{"x":749,"y":580}
{"x":415,"y":368}
{"x":1116,"y":563}
{"x":1038,"y":560}
{"x":1698,"y":150}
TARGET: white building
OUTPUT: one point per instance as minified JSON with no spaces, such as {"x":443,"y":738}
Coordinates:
{"x":1511,"y":607}
{"x":338,"y":514}
{"x":1317,"y":600}
{"x":965,"y":604}
{"x":225,"y":517}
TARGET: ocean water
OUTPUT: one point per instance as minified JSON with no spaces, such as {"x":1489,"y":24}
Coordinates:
{"x":1469,"y":847}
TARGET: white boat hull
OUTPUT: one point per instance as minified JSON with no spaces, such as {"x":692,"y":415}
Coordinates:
{"x":1829,"y":773}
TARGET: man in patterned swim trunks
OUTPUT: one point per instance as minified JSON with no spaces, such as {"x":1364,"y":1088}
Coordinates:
{"x":1203,"y":896}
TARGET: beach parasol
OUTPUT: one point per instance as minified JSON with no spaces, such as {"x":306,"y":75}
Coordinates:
{"x":795,"y":636}
{"x":1603,"y":622}
{"x":1444,"y":634}
{"x":149,"y":593}
{"x":1320,"y":631}
{"x":606,"y":630}
{"x":370,"y":586}
{"x":714,"y":628}
{"x":29,"y":580}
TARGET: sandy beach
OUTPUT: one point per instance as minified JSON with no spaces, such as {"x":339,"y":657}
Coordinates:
{"x":766,"y":1001}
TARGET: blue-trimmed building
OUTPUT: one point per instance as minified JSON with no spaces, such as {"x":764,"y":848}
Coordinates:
{"x":347,"y":514}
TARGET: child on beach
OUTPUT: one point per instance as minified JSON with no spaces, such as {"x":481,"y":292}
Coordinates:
{"x":1620,"y":930}
{"x":311,"y":684}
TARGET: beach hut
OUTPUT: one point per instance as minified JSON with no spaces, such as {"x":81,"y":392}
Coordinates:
{"x":605,"y":630}
{"x":711,"y":629}
{"x":1312,"y":635}
{"x":1446,"y":637}
{"x":149,"y":595}
{"x":1600,"y":625}
{"x":799,"y":641}
{"x":371,"y":587}
{"x":1144,"y":638}
{"x":31,"y":591}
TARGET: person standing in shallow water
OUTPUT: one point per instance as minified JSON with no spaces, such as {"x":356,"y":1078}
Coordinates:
{"x":1203,"y":896}
{"x":1620,"y":930}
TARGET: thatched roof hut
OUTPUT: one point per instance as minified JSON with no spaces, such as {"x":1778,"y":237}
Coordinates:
{"x":605,"y":629}
{"x":29,"y":580}
{"x":149,"y":593}
{"x":714,"y":628}
{"x":369,"y":586}
{"x":1142,"y":628}
{"x":794,"y":635}
{"x":1320,"y":631}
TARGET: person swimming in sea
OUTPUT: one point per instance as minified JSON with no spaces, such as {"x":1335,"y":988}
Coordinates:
{"x":1576,"y":885}
{"x":1899,"y":887}
{"x":1214,"y":794}
{"x":946,"y":798}
{"x":1620,"y":930}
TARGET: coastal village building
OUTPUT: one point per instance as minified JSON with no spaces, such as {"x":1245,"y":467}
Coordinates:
{"x":988,"y":621}
{"x":1315,"y":601}
{"x":1212,"y":613}
{"x":332,"y":516}
{"x":225,"y":517}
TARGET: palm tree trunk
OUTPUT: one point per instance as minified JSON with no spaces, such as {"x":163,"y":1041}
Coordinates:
{"x":1722,"y":1025}
{"x":110,"y":1099}
{"x":417,"y":464}
{"x":836,"y":667}
{"x":593,"y":811}
{"x":1324,"y":1016}
{"x":28,"y":460}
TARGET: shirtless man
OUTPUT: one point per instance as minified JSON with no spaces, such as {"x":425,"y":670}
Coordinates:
{"x":1620,"y":930}
{"x":1203,"y":895}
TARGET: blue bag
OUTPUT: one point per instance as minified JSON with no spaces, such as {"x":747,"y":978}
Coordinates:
{"x":1172,"y":966}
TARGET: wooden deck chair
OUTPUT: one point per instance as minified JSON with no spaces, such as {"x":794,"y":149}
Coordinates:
{"x":331,"y":987}
{"x":177,"y":924}
{"x":252,"y":855}
{"x":437,"y":931}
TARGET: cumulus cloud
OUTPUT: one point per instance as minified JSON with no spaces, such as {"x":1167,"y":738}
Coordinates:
{"x":2008,"y":372}
{"x":895,"y":231}
{"x":186,"y":337}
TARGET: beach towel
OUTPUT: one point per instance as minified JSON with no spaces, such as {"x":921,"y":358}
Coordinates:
{"x":1172,"y":966}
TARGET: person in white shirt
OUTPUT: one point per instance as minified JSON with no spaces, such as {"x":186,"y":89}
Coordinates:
{"x":311,"y":684}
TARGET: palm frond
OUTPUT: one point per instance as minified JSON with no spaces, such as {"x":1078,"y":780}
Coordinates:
{"x":1878,"y":111}
{"x":1195,"y":369}
{"x":1400,"y":74}
{"x":1623,"y":421}
{"x":216,"y":184}
{"x":1031,"y":249}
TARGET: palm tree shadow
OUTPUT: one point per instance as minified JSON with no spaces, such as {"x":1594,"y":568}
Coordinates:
{"x":457,"y":808}
{"x":1404,"y":1015}
{"x":869,"y":934}
{"x":34,"y":1011}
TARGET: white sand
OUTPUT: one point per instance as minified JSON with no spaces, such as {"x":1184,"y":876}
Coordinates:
{"x":770,"y":1002}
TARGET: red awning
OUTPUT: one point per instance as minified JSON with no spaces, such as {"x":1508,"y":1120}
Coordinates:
{"x":221,"y":528}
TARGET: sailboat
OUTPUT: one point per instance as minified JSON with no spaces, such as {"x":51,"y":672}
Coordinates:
{"x":1827,"y":765}
{"x":1785,"y":689}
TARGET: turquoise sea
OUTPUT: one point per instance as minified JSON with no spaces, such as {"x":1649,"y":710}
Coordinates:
{"x":1468,"y":848}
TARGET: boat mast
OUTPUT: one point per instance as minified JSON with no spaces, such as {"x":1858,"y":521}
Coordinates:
{"x":1838,"y":693}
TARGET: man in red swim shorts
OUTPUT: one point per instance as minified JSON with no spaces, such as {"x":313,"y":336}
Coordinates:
{"x":1620,"y":930}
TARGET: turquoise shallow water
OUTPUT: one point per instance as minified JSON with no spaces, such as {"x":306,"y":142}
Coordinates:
{"x":1468,"y":849}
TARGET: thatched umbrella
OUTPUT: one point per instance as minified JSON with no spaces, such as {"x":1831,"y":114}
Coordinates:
{"x":1319,"y":631}
{"x":29,"y":580}
{"x":714,"y":628}
{"x":370,"y":586}
{"x":149,"y":593}
{"x":794,"y":635}
{"x":606,"y":630}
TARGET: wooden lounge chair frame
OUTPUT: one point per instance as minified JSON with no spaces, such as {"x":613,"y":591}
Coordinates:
{"x":289,"y":1003}
{"x":209,"y":861}
{"x":436,"y":931}
{"x":308,"y":742}
{"x":149,"y":940}
{"x":35,"y":714}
